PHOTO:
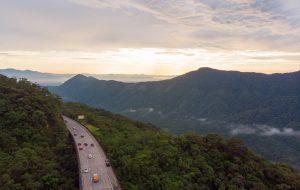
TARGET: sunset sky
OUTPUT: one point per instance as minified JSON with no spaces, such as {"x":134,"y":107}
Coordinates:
{"x":165,"y":37}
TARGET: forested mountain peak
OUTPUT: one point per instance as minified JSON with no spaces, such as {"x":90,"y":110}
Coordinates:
{"x":207,"y":101}
{"x":207,"y":73}
{"x":80,"y":77}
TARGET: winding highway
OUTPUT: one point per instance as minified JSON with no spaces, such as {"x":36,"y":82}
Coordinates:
{"x":92,"y":159}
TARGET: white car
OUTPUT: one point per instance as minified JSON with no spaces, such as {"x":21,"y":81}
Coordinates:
{"x":90,"y":156}
{"x":86,"y":170}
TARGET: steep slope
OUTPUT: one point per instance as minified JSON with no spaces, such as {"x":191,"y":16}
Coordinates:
{"x":35,"y":149}
{"x":149,"y":159}
{"x":250,"y":105}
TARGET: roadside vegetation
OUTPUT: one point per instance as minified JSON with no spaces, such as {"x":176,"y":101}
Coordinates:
{"x":145,"y":157}
{"x":36,"y":151}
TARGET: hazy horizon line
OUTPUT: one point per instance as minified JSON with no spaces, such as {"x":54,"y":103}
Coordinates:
{"x":45,"y":72}
{"x":143,"y":74}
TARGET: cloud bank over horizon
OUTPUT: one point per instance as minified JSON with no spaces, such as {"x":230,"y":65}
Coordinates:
{"x":198,"y":30}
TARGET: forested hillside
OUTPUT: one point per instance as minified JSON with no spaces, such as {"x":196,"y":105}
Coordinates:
{"x":203,"y":94}
{"x":144,"y":157}
{"x":36,"y":152}
{"x":264,"y":110}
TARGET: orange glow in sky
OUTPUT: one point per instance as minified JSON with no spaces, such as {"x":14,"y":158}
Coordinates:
{"x":163,"y":37}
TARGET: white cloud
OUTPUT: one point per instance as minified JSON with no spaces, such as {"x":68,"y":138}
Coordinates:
{"x":131,"y":110}
{"x":263,"y":130}
{"x":187,"y":34}
{"x":229,"y":21}
{"x":150,"y":110}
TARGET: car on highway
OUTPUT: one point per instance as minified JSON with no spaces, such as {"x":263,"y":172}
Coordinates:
{"x":90,"y":156}
{"x":86,"y":170}
{"x":85,"y":144}
{"x":95,"y":178}
{"x":81,"y":136}
{"x":92,"y":145}
{"x":107,"y":163}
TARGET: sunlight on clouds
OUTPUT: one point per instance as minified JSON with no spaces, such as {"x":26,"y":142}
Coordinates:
{"x":151,"y":37}
{"x":160,"y":61}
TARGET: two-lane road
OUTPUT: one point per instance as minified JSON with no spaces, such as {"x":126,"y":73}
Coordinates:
{"x":89,"y":166}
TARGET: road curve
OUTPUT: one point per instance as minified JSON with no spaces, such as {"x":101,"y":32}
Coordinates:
{"x":96,"y":164}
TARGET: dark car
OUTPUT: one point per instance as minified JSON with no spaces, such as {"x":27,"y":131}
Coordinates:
{"x":92,"y":145}
{"x":79,"y":144}
{"x":85,"y":144}
{"x":82,"y":136}
{"x":107,"y":163}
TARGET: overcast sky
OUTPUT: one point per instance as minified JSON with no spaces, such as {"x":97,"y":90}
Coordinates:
{"x":165,"y":37}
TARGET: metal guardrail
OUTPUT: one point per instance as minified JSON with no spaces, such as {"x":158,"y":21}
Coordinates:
{"x":79,"y":167}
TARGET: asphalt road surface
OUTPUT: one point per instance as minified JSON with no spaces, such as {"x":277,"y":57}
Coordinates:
{"x":96,"y":164}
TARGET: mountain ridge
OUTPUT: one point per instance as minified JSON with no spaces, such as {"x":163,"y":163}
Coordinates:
{"x":207,"y":101}
{"x":203,"y":78}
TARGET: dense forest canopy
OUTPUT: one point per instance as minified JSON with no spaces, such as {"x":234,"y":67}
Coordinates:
{"x":36,"y":151}
{"x":145,"y":157}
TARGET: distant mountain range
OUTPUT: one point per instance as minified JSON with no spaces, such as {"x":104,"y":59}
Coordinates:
{"x":262,"y":109}
{"x":44,"y":79}
{"x":50,"y":79}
